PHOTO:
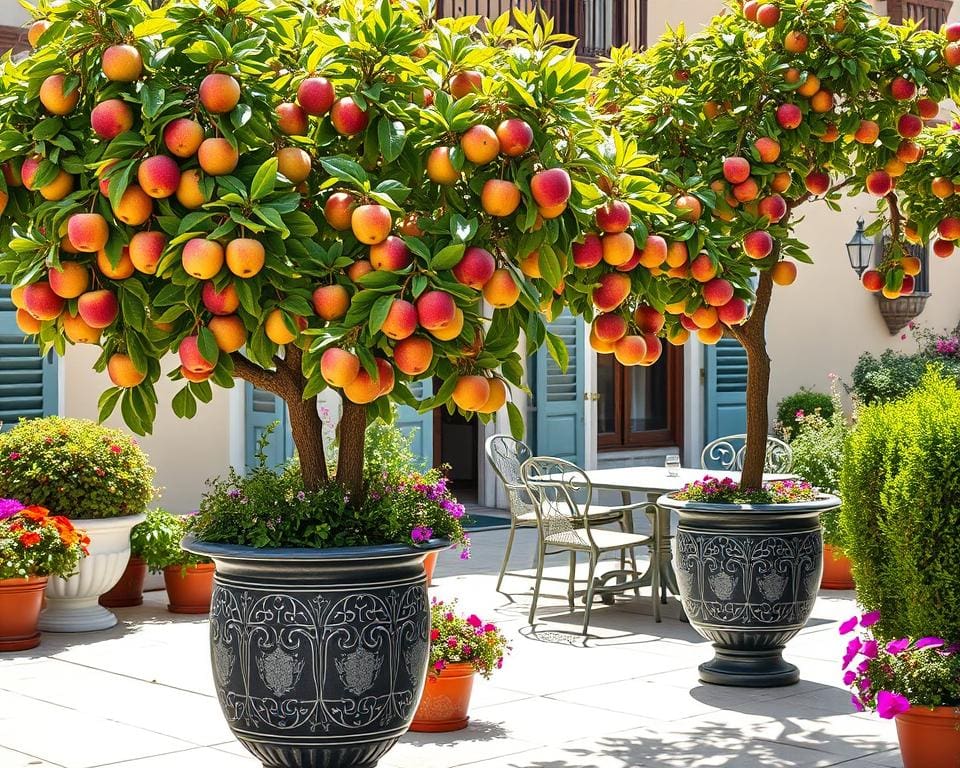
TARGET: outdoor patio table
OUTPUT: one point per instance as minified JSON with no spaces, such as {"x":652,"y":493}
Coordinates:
{"x":654,"y":482}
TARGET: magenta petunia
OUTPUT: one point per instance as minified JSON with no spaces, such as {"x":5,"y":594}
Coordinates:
{"x":474,"y":621}
{"x":890,"y":704}
{"x":869,"y":619}
{"x":896,"y":647}
{"x":849,"y":676}
{"x":869,"y":649}
{"x":857,"y":704}
{"x":9,"y":507}
{"x":849,"y":625}
{"x":929,"y":642}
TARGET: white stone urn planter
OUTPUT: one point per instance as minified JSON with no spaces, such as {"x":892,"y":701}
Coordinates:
{"x":72,"y":603}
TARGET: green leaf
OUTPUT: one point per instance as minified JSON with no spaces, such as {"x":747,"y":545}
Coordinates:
{"x":153,"y":97}
{"x":392,"y":135}
{"x":558,"y":351}
{"x":448,"y":257}
{"x":208,"y":345}
{"x":516,"y":421}
{"x":184,"y":404}
{"x":379,"y":312}
{"x":265,"y":181}
{"x":344,"y":169}
{"x":108,"y":402}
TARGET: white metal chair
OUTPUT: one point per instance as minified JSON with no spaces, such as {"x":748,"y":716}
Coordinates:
{"x":562,"y":497}
{"x":728,"y":452}
{"x":506,"y":454}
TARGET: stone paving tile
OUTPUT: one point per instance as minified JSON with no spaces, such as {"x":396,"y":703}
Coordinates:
{"x":11,"y":759}
{"x":193,"y":758}
{"x":81,"y":740}
{"x":182,"y":714}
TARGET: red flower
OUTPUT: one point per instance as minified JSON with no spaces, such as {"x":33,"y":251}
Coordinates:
{"x":116,"y":448}
{"x":434,"y":634}
{"x":29,"y":539}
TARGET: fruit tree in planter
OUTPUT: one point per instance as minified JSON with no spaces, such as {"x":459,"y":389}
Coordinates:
{"x":312,"y":195}
{"x":773,"y":106}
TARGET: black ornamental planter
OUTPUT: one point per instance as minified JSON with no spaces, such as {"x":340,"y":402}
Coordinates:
{"x":748,"y":577}
{"x":319,"y":656}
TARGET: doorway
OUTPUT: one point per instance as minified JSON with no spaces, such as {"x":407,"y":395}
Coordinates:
{"x":456,"y":444}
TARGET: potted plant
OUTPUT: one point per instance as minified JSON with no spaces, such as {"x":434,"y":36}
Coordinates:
{"x":34,"y":545}
{"x":128,"y":592}
{"x":914,"y":681}
{"x":188,"y":577}
{"x":460,"y":647}
{"x":817,"y":444}
{"x":748,"y":565}
{"x":98,"y":478}
{"x":901,"y":521}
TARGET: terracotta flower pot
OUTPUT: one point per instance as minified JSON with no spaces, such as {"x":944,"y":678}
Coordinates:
{"x":429,"y":564}
{"x":189,"y":591}
{"x":929,"y":738}
{"x":836,"y":569}
{"x":129,"y":590}
{"x":445,"y":700}
{"x":20,"y":601}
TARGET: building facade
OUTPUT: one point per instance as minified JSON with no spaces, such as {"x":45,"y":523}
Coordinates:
{"x":597,"y":413}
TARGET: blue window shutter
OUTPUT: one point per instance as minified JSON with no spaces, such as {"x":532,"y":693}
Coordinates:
{"x":28,"y":380}
{"x":263,"y":409}
{"x":558,"y":395}
{"x":421,"y":424}
{"x":726,"y":389}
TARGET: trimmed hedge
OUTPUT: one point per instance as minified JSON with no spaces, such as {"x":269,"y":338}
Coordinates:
{"x":894,"y":374}
{"x":807,"y":401}
{"x":900,"y":484}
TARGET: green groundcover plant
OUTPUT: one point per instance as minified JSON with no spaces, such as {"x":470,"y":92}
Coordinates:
{"x":458,"y":639}
{"x":273,"y":508}
{"x":75,"y":468}
{"x":157,"y":540}
{"x":35,"y":543}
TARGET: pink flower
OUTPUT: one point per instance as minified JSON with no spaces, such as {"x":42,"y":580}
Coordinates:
{"x":467,"y":650}
{"x":929,"y":642}
{"x":896,"y":647}
{"x":439,"y":666}
{"x":853,"y":648}
{"x":489,"y":628}
{"x":14,"y":456}
{"x":890,"y":704}
{"x":849,"y":676}
{"x":848,"y":626}
{"x":474,"y":621}
{"x":870,"y":649}
{"x":857,"y":704}
{"x":869,"y":619}
{"x":452,"y":642}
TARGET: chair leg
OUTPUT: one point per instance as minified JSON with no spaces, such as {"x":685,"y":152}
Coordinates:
{"x":623,"y":552}
{"x":655,"y":580}
{"x":571,"y":580}
{"x":589,"y":605}
{"x":541,"y":555}
{"x":506,"y":554}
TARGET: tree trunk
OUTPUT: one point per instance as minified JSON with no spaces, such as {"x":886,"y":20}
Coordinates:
{"x":287,"y":383}
{"x":752,"y":336}
{"x":307,"y":430}
{"x":353,"y":432}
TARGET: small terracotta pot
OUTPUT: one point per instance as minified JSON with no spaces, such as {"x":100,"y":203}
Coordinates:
{"x":189,"y":590}
{"x":429,"y":564}
{"x":445,"y":700}
{"x":20,"y":601}
{"x":836,"y":569}
{"x":930,"y":738}
{"x":129,"y":590}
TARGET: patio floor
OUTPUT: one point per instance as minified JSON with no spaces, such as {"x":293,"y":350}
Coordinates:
{"x":141,"y":695}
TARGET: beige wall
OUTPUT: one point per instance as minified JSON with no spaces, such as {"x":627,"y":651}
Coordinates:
{"x":12,"y":14}
{"x":184,"y":452}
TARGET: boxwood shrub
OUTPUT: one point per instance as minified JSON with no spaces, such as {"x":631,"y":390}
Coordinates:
{"x":806,"y":402}
{"x":75,"y":468}
{"x":900,"y":483}
{"x":895,"y":374}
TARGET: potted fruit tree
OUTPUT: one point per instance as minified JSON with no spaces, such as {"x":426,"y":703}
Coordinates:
{"x":357,"y":196}
{"x":34,"y":545}
{"x":773,"y":107}
{"x":188,"y":577}
{"x":460,"y":648}
{"x":900,"y":523}
{"x":98,"y":478}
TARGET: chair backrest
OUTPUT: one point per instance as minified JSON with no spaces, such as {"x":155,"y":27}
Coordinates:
{"x":506,"y":454}
{"x":728,"y":453}
{"x":561,"y":495}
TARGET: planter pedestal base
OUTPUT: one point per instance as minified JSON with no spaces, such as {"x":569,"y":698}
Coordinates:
{"x":749,"y":669}
{"x":20,"y":643}
{"x":77,"y":615}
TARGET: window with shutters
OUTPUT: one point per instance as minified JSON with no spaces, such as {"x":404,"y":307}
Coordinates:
{"x":931,"y":14}
{"x":598,"y":25}
{"x":640,"y":407}
{"x":28,"y":382}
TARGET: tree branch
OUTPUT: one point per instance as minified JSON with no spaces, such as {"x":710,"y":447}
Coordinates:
{"x":248,"y":370}
{"x":896,"y":220}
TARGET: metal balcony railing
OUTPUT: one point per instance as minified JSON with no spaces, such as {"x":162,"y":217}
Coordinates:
{"x":932,"y":14}
{"x":598,"y":25}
